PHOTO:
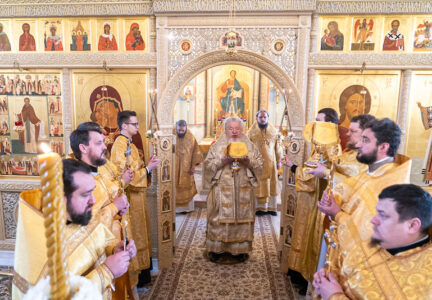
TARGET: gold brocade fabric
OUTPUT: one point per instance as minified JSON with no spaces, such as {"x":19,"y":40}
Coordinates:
{"x":373,"y":273}
{"x":268,"y":144}
{"x":138,"y":211}
{"x":308,"y":223}
{"x":230,"y":202}
{"x":348,"y":166}
{"x":188,"y":155}
{"x":357,"y":198}
{"x":86,"y":248}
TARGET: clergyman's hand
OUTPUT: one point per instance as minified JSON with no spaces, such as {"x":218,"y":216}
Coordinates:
{"x":118,"y":263}
{"x":131,"y":248}
{"x":328,"y":205}
{"x":153,"y":163}
{"x":287,"y":162}
{"x":226,"y":160}
{"x":329,"y":286}
{"x":122,"y":204}
{"x":319,"y":171}
{"x":245,"y":161}
{"x":128,"y":176}
{"x":191,"y":171}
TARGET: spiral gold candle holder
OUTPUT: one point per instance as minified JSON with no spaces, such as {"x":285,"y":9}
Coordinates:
{"x":54,"y":212}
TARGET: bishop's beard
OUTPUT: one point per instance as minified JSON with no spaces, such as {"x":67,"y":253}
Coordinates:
{"x":263,"y":126}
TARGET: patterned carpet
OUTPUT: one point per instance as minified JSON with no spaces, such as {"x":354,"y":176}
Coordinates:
{"x":193,"y":276}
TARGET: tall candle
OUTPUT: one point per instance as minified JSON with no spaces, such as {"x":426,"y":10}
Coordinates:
{"x":54,"y":212}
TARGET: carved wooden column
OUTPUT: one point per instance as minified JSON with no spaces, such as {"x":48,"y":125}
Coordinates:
{"x":314,"y":34}
{"x":310,"y":95}
{"x":302,"y":56}
{"x":404,"y":96}
{"x":67,"y":107}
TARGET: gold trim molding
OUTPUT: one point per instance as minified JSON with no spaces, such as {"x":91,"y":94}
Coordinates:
{"x":374,"y":7}
{"x":165,"y":6}
{"x":372,"y":60}
{"x":78,"y":60}
{"x":46,"y":8}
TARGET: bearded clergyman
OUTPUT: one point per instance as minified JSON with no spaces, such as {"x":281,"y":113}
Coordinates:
{"x":233,"y":167}
{"x":188,"y":157}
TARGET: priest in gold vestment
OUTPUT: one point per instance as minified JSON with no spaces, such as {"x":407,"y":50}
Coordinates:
{"x":91,"y":249}
{"x":266,"y":138}
{"x":232,"y":176}
{"x":396,"y":261}
{"x":308,"y":222}
{"x":352,"y":203}
{"x":111,"y":207}
{"x":188,"y":156}
{"x":125,"y":156}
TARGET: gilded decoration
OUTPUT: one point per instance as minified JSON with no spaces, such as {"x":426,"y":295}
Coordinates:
{"x":220,"y":57}
{"x":9,"y":205}
{"x":258,"y":40}
{"x":376,"y":7}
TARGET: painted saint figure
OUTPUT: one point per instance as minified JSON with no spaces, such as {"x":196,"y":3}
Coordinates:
{"x":107,"y":40}
{"x":4,"y":40}
{"x":26,"y":41}
{"x":29,"y":137}
{"x":332,"y":39}
{"x":53,"y":41}
{"x":231,"y":95}
{"x":134,"y":39}
{"x":394,"y":40}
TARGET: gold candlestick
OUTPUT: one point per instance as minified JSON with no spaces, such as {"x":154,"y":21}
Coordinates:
{"x":54,"y":212}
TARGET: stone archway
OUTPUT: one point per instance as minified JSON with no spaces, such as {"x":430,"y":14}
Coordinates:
{"x":211,"y":59}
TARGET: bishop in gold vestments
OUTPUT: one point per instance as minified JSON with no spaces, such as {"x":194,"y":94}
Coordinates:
{"x":231,"y":201}
{"x":188,"y":156}
{"x":86,"y":248}
{"x":138,"y":211}
{"x":266,"y":138}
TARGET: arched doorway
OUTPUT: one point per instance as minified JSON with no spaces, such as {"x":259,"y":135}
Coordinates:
{"x":220,"y":57}
{"x":165,"y":114}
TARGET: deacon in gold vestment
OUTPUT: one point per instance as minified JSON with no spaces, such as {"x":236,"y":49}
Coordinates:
{"x":353,"y":201}
{"x":231,"y":201}
{"x":125,"y":155}
{"x":396,"y":262}
{"x":111,"y":208}
{"x":308,"y":222}
{"x":265,"y":137}
{"x":188,"y":156}
{"x":89,"y":246}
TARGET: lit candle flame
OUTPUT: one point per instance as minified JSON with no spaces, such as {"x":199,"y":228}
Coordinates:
{"x":45,"y":148}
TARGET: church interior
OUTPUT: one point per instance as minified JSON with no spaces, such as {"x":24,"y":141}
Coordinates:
{"x":69,"y":62}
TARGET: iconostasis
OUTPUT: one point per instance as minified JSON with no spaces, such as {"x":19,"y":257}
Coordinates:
{"x":224,"y":91}
{"x":74,"y":34}
{"x":30,"y":114}
{"x":404,"y":33}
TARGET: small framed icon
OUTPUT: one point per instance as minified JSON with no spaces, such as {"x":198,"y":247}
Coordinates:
{"x":278,"y":46}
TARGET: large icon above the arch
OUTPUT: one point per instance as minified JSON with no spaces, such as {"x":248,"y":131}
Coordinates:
{"x":351,"y":93}
{"x":99,"y":97}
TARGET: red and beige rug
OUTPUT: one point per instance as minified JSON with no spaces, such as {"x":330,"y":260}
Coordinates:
{"x":193,"y":276}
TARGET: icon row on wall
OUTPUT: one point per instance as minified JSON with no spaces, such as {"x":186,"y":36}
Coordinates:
{"x":376,"y":33}
{"x":74,"y":34}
